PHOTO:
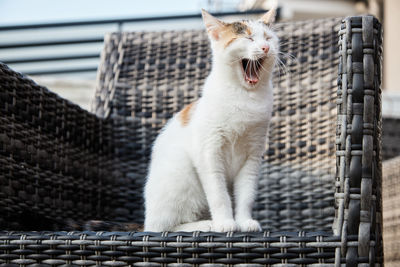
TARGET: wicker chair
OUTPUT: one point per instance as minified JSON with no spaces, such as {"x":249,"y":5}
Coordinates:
{"x":320,"y":186}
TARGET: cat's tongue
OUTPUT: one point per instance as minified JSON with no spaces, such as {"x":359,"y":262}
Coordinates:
{"x":251,"y":76}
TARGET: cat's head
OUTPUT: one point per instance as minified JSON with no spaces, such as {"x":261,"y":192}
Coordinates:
{"x":249,"y":48}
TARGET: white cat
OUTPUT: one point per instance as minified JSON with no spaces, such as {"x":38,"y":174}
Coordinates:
{"x":205,"y":162}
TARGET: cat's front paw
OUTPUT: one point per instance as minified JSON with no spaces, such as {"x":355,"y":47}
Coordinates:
{"x":225,"y":226}
{"x":249,"y":225}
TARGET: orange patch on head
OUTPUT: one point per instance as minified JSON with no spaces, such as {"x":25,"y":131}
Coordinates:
{"x":229,"y":41}
{"x":238,"y":27}
{"x":248,"y":31}
{"x":228,"y":36}
{"x":232,"y":31}
{"x":186,"y":113}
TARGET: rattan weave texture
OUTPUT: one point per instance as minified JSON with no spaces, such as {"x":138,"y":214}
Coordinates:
{"x":359,"y":170}
{"x":146,"y":77}
{"x":54,"y":156}
{"x":170,"y":249}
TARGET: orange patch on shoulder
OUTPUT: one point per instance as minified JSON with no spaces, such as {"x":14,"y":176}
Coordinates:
{"x":186,"y":113}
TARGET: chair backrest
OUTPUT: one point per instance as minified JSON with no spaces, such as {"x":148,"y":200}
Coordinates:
{"x":146,"y":77}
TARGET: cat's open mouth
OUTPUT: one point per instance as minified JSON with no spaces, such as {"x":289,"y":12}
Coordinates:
{"x":251,"y":69}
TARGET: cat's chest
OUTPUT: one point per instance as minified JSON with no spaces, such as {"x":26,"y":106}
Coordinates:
{"x":240,"y":118}
{"x":244,"y":125}
{"x":238,"y":140}
{"x":234,"y":155}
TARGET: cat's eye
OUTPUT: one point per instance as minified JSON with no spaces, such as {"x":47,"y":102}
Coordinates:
{"x":267,"y":37}
{"x":251,"y":39}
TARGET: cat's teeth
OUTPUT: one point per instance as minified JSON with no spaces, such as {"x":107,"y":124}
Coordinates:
{"x":251,"y":77}
{"x":252,"y":80}
{"x":251,"y":70}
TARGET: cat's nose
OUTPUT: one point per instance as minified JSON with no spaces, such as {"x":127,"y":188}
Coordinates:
{"x":265,"y":48}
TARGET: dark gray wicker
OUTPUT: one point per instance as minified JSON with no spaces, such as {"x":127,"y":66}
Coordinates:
{"x":322,"y":167}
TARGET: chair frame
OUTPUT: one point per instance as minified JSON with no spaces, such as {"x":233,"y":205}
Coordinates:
{"x":35,"y":121}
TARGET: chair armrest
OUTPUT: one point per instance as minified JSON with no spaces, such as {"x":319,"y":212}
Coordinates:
{"x":358,"y":151}
{"x":54,"y":156}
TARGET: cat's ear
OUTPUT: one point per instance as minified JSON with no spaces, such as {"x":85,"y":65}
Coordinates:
{"x":269,"y":17}
{"x":213,"y":25}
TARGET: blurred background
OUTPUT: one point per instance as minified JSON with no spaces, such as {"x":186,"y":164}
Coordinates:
{"x":59,"y":43}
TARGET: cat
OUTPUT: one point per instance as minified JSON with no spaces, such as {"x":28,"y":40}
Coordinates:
{"x":205,"y":162}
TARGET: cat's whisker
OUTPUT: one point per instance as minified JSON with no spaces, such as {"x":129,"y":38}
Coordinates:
{"x":252,"y":69}
{"x":279,"y":59}
{"x":287,"y":54}
{"x":294,"y":42}
{"x":288,"y":58}
{"x":256,"y":70}
{"x":282,"y":68}
{"x":281,"y":64}
{"x":264,"y":69}
{"x":236,"y":60}
{"x":247,"y":66}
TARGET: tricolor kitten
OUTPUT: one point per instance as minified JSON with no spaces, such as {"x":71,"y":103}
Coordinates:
{"x":205,"y":162}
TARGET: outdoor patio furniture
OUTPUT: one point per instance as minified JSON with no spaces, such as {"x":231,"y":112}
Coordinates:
{"x":320,"y":185}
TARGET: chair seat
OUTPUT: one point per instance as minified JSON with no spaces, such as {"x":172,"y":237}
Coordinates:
{"x":180,"y":248}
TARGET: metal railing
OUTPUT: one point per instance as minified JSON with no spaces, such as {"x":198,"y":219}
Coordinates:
{"x":36,"y":60}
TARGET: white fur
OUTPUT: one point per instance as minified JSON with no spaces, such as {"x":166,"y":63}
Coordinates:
{"x":203,"y":175}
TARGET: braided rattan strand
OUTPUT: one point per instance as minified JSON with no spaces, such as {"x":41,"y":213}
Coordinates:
{"x":358,"y":193}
